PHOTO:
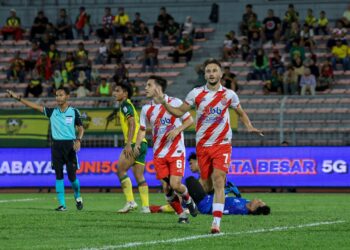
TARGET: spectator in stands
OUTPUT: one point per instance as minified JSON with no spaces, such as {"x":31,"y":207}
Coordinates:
{"x":338,"y":32}
{"x":274,"y":84}
{"x":150,"y":57}
{"x":297,"y":50}
{"x":200,"y":75}
{"x":346,"y":17}
{"x":245,"y":49}
{"x":34,"y":86}
{"x":121,"y":73}
{"x":322,"y":24}
{"x":129,"y":35}
{"x":119,"y":23}
{"x":45,"y":42}
{"x":82,"y":80}
{"x":188,"y":26}
{"x":162,"y":23}
{"x":81,"y":60}
{"x":310,"y":19}
{"x":276,"y":62}
{"x":340,"y":55}
{"x":243,"y":27}
{"x":326,"y":78}
{"x":184,"y":48}
{"x":272,"y":27}
{"x":51,"y":32}
{"x":135,"y":89}
{"x":311,"y":64}
{"x":137,"y":22}
{"x":82,"y":24}
{"x":255,"y":42}
{"x":43,"y":67}
{"x":292,"y":34}
{"x":16,"y":71}
{"x":290,"y":81}
{"x":308,"y":82}
{"x":104,"y":89}
{"x":33,"y":56}
{"x":261,"y":66}
{"x":290,"y":17}
{"x":102,"y":53}
{"x":55,"y":57}
{"x":12,"y":27}
{"x":298,"y":66}
{"x":142,"y":34}
{"x":230,"y":48}
{"x":39,"y":25}
{"x":68,"y":68}
{"x":229,"y":79}
{"x":307,"y":37}
{"x":114,"y":51}
{"x":254,"y":26}
{"x":56,"y":83}
{"x":171,"y":33}
{"x":64,"y":26}
{"x":107,"y":22}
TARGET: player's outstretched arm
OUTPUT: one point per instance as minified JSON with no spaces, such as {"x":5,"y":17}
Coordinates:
{"x":29,"y":104}
{"x":175,"y":111}
{"x":246,"y":121}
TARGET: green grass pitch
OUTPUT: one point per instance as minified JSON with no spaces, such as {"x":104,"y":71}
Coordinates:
{"x":298,"y":221}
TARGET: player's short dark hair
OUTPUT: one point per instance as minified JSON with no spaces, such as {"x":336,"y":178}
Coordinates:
{"x":160,"y":81}
{"x":249,"y":6}
{"x":193,"y":156}
{"x":211,"y":61}
{"x":65,"y":89}
{"x":264,"y":210}
{"x":126,"y":87}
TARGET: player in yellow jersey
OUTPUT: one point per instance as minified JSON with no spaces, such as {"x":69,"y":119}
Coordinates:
{"x":130,"y":123}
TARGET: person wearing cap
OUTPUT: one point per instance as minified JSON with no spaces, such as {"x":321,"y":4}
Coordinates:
{"x":12,"y":27}
{"x":39,"y":25}
{"x":120,"y":21}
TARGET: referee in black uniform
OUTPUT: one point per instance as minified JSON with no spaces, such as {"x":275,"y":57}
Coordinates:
{"x":64,"y":121}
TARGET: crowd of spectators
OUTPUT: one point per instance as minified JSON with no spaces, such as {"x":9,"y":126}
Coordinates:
{"x":46,"y":63}
{"x":294,"y":69}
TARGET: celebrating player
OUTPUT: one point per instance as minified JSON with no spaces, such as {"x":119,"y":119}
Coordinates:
{"x":169,"y":147}
{"x":64,"y":120}
{"x":129,"y":120}
{"x":213,"y":131}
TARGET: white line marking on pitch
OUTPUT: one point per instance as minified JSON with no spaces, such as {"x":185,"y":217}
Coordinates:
{"x":18,"y":200}
{"x":195,"y":237}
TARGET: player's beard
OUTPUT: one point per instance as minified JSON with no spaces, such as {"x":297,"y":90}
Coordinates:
{"x":213,"y":83}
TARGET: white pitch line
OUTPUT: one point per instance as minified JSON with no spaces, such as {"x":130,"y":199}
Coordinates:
{"x":195,"y":237}
{"x":18,"y":200}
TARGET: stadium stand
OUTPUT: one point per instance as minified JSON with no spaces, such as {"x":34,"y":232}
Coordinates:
{"x":317,"y":120}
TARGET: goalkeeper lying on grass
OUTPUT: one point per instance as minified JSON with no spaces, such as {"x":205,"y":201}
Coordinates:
{"x":233,"y":205}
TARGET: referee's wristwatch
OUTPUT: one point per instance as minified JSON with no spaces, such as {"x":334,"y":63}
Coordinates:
{"x":78,"y":139}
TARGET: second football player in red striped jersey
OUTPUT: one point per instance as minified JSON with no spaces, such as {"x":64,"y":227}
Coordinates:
{"x":169,"y":146}
{"x":213,"y":131}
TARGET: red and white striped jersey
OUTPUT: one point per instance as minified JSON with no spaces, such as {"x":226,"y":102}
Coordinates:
{"x":163,"y":122}
{"x":213,"y":117}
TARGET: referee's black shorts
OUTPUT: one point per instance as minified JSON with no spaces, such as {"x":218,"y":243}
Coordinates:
{"x":62,"y":153}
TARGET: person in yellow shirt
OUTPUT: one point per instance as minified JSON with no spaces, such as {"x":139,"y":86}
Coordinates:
{"x":119,"y":23}
{"x":322,"y":24}
{"x":340,"y":55}
{"x":12,"y":27}
{"x":130,"y":123}
{"x":310,"y":20}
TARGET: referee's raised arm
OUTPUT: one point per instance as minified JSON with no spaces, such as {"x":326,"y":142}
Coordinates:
{"x":29,"y":104}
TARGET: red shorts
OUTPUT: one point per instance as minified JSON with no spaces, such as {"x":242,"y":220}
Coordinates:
{"x":218,"y":156}
{"x":169,"y":166}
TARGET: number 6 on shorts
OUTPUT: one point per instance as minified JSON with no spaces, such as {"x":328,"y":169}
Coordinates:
{"x":179,"y":163}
